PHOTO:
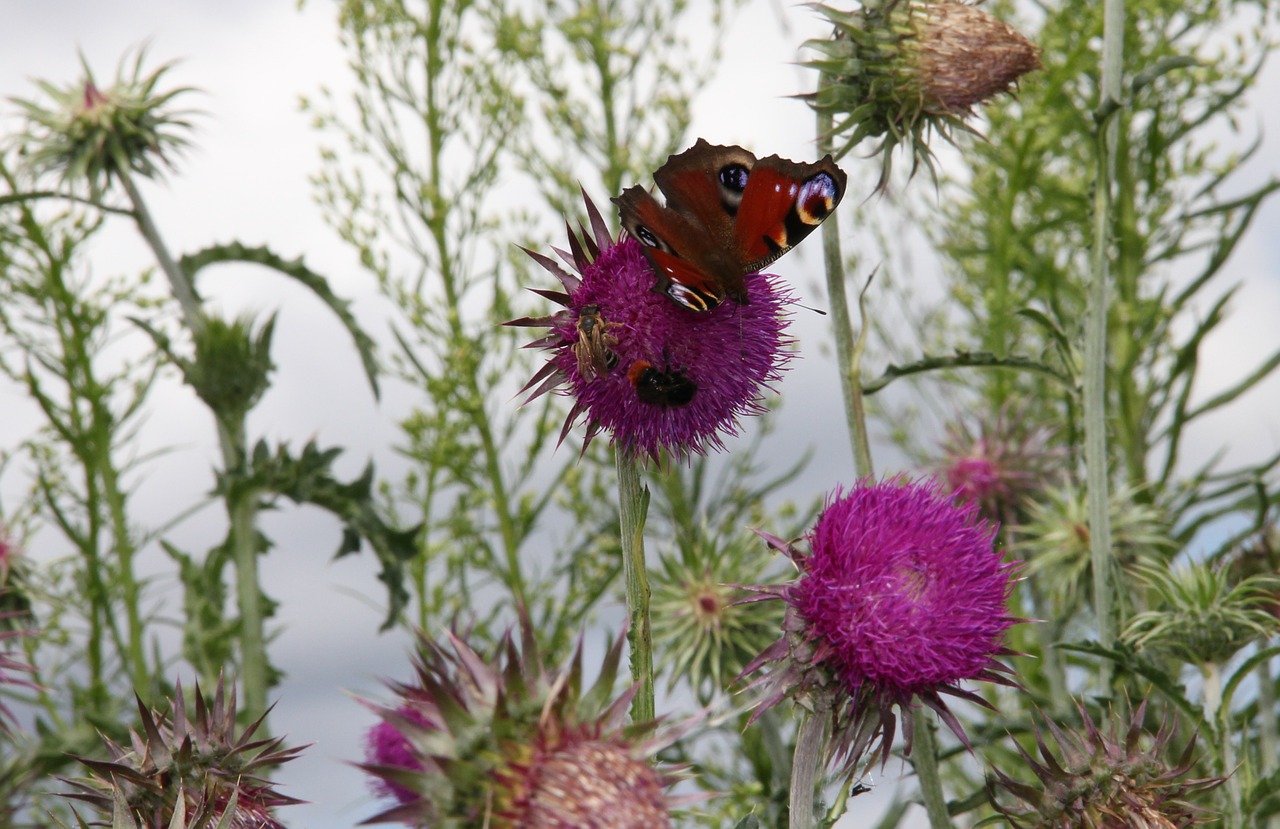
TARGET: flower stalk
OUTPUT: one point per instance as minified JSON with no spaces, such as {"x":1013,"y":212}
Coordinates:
{"x":1095,"y":345}
{"x":807,"y":763}
{"x":633,"y":508}
{"x":848,"y":349}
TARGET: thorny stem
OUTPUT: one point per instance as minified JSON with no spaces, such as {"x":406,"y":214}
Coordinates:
{"x":1095,"y":344}
{"x":241,"y":506}
{"x":633,"y":506}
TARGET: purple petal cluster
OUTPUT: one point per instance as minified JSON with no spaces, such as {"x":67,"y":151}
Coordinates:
{"x":387,"y":746}
{"x":903,"y":589}
{"x":900,"y":598}
{"x":673,"y":380}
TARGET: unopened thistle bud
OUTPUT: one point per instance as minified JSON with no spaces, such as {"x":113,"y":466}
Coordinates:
{"x":894,"y":69}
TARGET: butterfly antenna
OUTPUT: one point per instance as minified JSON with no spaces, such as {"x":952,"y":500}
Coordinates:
{"x":808,"y":308}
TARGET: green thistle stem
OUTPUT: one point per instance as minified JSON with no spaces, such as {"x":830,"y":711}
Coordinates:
{"x":633,"y":506}
{"x":1268,"y":750}
{"x":924,"y":758}
{"x":1220,"y":719}
{"x":1095,"y":344}
{"x":811,"y":743}
{"x":179,"y":283}
{"x":848,"y":350}
{"x":242,"y":507}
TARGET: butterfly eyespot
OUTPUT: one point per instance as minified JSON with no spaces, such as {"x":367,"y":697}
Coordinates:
{"x":734,"y":177}
{"x":646,"y":236}
{"x":817,"y":198}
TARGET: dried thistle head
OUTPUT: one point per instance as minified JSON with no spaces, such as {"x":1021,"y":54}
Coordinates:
{"x":188,"y":770}
{"x":899,"y":69}
{"x":1122,"y":778}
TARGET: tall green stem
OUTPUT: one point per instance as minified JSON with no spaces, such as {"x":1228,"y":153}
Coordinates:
{"x":179,"y":282}
{"x":633,"y":507}
{"x":924,"y":758}
{"x":1220,"y":718}
{"x":848,"y":350}
{"x":1268,"y":749}
{"x":1095,"y":345}
{"x":242,"y":507}
{"x":811,"y":745}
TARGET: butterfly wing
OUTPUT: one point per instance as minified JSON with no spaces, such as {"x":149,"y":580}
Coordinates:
{"x":728,"y":214}
{"x":689,"y":270}
{"x":782,"y":203}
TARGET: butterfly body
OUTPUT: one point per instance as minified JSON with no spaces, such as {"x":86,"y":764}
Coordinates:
{"x":727,"y":214}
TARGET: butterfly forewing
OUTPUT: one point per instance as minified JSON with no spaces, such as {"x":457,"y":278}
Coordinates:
{"x":786,"y":202}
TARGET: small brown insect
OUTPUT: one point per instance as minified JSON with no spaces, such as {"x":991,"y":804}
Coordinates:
{"x":594,"y":346}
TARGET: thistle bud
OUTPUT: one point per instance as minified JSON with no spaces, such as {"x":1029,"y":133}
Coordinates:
{"x":895,"y":69}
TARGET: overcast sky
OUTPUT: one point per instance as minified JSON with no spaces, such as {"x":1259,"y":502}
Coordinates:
{"x":247,"y":181}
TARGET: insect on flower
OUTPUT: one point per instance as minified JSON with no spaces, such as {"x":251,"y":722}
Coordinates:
{"x":594,"y":346}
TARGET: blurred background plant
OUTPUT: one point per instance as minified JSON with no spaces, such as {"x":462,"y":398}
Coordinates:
{"x":468,"y":129}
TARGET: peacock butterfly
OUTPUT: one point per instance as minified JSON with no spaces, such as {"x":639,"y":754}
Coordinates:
{"x":728,"y":214}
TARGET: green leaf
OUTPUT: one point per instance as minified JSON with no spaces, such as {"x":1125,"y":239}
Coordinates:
{"x":193,"y":263}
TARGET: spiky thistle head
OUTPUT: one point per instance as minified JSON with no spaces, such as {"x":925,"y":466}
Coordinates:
{"x":1002,"y":462}
{"x":703,"y":631}
{"x":188,"y":769}
{"x":1055,"y":539}
{"x":901,"y":597}
{"x":899,"y":69}
{"x":654,"y":375}
{"x":13,"y":669}
{"x":1204,"y":615}
{"x":504,"y":743}
{"x":93,"y":135}
{"x":1121,"y":778}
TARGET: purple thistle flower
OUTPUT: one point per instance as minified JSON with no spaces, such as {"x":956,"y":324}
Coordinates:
{"x":1002,"y":464}
{"x":387,"y":747}
{"x":658,"y":377}
{"x":901,"y":598}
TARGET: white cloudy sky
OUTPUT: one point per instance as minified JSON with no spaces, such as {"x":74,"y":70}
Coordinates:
{"x":247,"y":181}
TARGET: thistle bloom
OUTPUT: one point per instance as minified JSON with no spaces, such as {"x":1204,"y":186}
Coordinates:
{"x":1104,"y":780}
{"x":654,"y":375}
{"x":900,"y":598}
{"x":503,"y":743}
{"x":1002,"y":464}
{"x":189,"y":765}
{"x":897,"y":69}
